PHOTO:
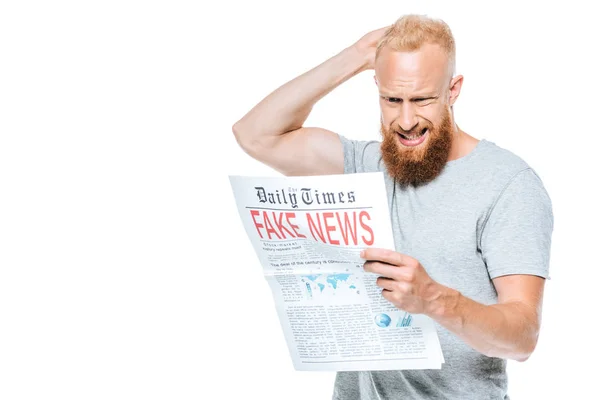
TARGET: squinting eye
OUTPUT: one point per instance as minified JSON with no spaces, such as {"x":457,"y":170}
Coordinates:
{"x":423,"y":102}
{"x":392,"y":99}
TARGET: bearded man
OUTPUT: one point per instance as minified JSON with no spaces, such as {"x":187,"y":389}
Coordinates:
{"x":472,"y":221}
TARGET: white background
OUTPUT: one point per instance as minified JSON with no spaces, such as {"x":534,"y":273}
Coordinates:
{"x":125,"y":272}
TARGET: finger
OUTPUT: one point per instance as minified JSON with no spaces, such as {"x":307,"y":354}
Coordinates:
{"x":389,"y":296}
{"x":398,"y":274}
{"x":386,"y":283}
{"x":387,"y":256}
{"x":398,"y":287}
{"x":386,"y":270}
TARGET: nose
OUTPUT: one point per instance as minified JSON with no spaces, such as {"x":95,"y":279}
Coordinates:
{"x":408,"y":118}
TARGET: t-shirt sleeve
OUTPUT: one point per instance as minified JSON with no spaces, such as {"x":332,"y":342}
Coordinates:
{"x":517,"y":235}
{"x":361,"y":155}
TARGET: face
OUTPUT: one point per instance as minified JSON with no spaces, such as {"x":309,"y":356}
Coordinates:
{"x":416,"y":93}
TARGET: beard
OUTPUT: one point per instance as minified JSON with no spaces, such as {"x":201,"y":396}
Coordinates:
{"x":420,"y":164}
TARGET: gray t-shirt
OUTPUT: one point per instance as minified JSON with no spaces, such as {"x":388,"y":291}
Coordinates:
{"x":486,"y":215}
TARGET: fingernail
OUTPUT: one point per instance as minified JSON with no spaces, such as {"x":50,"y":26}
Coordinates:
{"x":362,"y":254}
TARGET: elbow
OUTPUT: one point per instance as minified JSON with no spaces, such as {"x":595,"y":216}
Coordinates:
{"x":246,"y":140}
{"x":241,"y":139}
{"x":526,"y":352}
{"x":528,"y":345}
{"x":236,"y":129}
{"x":523,"y":357}
{"x":519,"y":354}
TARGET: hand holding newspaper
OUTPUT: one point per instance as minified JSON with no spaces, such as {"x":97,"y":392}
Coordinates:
{"x":308,"y":233}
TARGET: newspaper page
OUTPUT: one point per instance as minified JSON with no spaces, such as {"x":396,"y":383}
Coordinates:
{"x":308,"y":233}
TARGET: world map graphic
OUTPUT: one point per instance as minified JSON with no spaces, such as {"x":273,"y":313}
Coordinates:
{"x":330,"y":284}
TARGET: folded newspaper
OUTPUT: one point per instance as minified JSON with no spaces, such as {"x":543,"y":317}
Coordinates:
{"x":308,"y":233}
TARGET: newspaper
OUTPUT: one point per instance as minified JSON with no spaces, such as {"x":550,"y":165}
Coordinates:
{"x":308,"y":233}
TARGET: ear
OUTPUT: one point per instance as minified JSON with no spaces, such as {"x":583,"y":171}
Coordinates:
{"x":455,"y":86}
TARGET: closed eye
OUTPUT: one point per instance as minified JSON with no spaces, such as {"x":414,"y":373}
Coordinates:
{"x":416,"y":100}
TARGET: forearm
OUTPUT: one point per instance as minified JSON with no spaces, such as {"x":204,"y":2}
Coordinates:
{"x":288,"y":107}
{"x":507,"y":330}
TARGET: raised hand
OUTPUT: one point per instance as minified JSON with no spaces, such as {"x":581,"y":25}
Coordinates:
{"x":367,"y":45}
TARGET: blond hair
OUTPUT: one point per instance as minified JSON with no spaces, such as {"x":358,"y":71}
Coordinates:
{"x":411,"y":31}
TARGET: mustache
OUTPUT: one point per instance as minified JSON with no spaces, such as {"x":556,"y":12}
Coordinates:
{"x":413,"y":131}
{"x":421,"y":128}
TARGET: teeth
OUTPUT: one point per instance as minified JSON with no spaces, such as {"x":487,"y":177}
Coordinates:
{"x":413,"y":137}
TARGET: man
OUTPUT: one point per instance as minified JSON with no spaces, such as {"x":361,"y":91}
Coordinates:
{"x":472,"y":221}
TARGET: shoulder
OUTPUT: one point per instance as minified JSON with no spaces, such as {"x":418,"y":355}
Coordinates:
{"x":500,"y":164}
{"x":518,"y":193}
{"x":498,"y":168}
{"x":505,"y":182}
{"x":361,"y":155}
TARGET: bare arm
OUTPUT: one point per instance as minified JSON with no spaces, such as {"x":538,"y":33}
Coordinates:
{"x":508,"y":329}
{"x":272,"y":131}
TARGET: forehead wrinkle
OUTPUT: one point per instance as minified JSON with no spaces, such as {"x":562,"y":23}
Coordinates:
{"x":401,"y":87}
{"x":414,"y":71}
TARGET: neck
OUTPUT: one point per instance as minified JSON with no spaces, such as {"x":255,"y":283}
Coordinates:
{"x":462,"y":143}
